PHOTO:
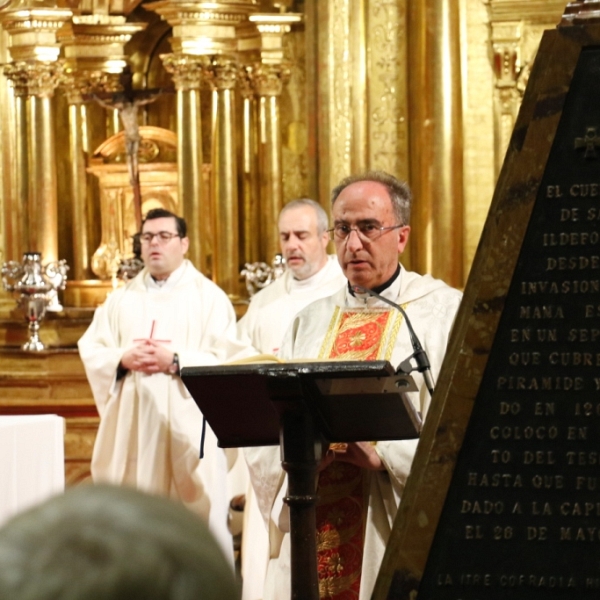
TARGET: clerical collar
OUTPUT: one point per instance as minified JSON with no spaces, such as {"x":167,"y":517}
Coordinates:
{"x":383,"y":286}
{"x":159,"y":282}
{"x":154,"y":285}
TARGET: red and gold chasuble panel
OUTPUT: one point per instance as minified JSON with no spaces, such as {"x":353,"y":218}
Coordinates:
{"x":341,"y":509}
{"x":340,"y":530}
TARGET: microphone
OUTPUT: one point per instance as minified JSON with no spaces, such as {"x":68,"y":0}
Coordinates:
{"x":418,"y":354}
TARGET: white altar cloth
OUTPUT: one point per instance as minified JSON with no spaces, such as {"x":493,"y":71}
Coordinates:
{"x":32,"y":461}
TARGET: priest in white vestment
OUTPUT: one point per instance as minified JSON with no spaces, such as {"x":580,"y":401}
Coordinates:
{"x":359,"y":484}
{"x":151,"y":430}
{"x":310,"y":274}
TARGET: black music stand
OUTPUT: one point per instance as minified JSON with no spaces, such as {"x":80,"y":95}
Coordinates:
{"x":301,"y":407}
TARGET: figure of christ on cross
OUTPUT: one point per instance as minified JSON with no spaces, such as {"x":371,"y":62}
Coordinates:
{"x":127,"y":103}
{"x":149,"y":355}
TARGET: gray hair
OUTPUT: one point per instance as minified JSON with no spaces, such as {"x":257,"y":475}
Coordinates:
{"x":399,"y":192}
{"x":322,"y":218}
{"x":111,"y":543}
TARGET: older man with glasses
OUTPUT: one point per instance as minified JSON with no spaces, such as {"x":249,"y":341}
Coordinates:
{"x":150,"y":431}
{"x":360,"y":484}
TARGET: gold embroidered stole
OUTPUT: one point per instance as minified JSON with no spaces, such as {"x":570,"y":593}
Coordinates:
{"x":353,"y":334}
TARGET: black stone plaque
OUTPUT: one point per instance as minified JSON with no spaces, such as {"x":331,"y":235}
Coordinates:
{"x":522,"y":514}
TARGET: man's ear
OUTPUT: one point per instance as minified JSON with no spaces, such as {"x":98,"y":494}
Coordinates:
{"x":325,"y":239}
{"x":185,"y":242}
{"x":404,"y":232}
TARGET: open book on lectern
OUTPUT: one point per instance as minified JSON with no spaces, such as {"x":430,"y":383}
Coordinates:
{"x":349,"y":401}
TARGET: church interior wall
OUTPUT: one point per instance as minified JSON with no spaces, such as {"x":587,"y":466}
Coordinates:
{"x":361,"y":119}
{"x":478,"y":125}
{"x":347,"y":105}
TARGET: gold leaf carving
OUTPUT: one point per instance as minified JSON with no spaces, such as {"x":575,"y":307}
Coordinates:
{"x":387,"y":119}
{"x":37,"y":78}
{"x":225,"y":73}
{"x":187,"y":72}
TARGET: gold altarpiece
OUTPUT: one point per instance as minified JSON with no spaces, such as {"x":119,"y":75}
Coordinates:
{"x":264,"y":102}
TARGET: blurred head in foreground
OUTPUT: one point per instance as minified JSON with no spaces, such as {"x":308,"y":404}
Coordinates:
{"x":106,"y":542}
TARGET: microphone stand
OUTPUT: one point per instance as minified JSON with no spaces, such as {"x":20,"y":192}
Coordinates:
{"x":418,"y":354}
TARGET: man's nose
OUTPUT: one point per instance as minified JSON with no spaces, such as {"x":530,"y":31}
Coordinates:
{"x":291,"y":243}
{"x":353,"y":241}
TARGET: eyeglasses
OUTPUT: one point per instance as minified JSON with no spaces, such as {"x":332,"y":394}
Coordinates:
{"x":163,"y":237}
{"x":368,"y":232}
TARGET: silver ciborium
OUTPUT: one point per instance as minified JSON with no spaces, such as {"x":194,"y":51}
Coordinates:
{"x":37,"y":285}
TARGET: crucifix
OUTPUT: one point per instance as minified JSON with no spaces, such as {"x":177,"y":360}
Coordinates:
{"x":127,"y":102}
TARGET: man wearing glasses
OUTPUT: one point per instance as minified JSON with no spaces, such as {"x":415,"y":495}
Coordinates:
{"x":360,"y":484}
{"x":150,"y":430}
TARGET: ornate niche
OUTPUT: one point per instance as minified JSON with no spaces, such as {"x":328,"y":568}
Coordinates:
{"x":157,"y":157}
{"x":516,"y":28}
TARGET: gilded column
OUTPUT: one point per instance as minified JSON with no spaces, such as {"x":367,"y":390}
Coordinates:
{"x":334,"y":123}
{"x":77,"y":145}
{"x":17,"y":223}
{"x":250,"y":193}
{"x":224,"y":198}
{"x":269,"y":84}
{"x":386,"y":102}
{"x":34,"y":50}
{"x":43,"y":201}
{"x":269,"y":77}
{"x":188,"y":72}
{"x":358,"y":86}
{"x":436,"y":172}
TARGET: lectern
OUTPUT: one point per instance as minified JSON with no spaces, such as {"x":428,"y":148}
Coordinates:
{"x":303,"y":407}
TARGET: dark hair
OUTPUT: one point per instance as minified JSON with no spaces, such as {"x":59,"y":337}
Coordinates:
{"x":398,"y":191}
{"x":111,"y":543}
{"x":161,"y":213}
